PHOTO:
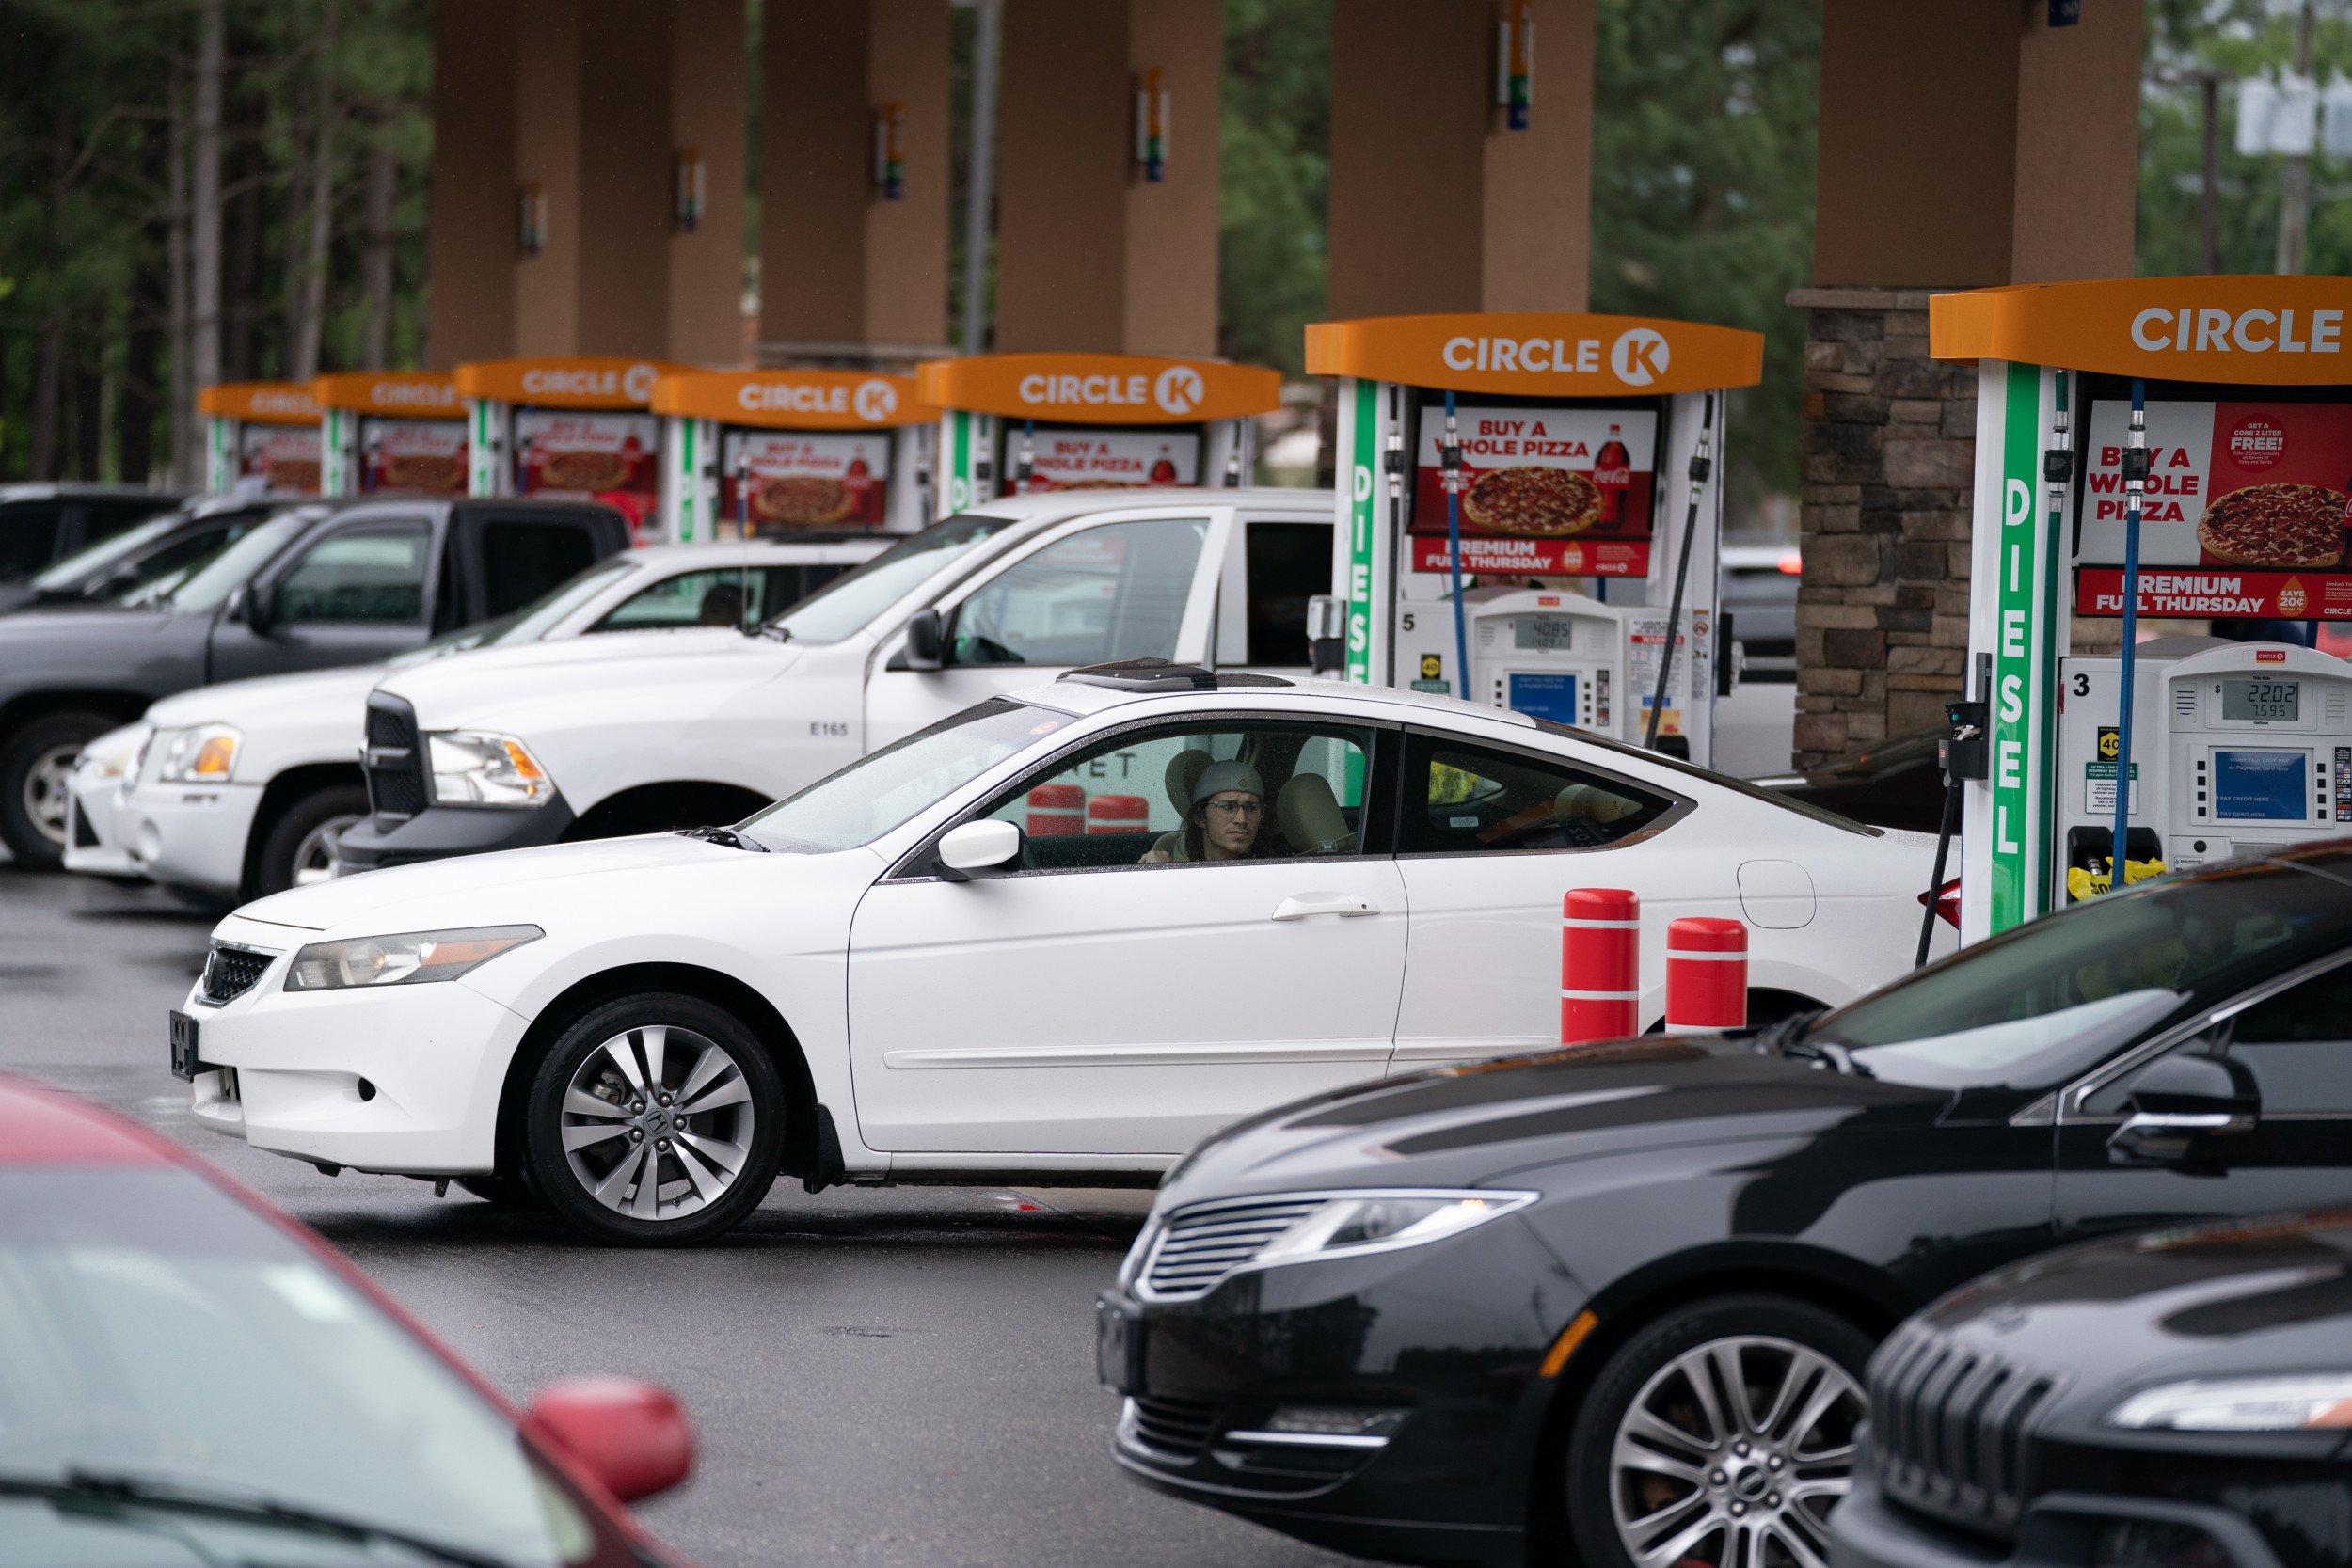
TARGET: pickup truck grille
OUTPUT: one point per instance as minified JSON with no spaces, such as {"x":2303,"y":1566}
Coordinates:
{"x":1948,"y":1425}
{"x":394,"y":758}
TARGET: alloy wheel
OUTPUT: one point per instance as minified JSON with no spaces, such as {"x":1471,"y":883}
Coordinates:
{"x":1732,"y":1455}
{"x":314,"y":857}
{"x":658,"y":1122}
{"x":46,"y":784}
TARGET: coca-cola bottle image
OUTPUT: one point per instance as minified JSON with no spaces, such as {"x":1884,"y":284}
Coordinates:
{"x":1612,"y":475}
{"x":860,"y":481}
{"x":1163,"y":471}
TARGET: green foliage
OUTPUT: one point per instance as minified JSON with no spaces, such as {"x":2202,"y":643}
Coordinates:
{"x":1274,"y":152}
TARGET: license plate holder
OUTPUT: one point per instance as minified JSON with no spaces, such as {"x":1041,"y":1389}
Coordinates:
{"x":185,"y":1063}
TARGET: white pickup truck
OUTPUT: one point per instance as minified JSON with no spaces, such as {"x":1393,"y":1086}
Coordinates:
{"x":512,"y":747}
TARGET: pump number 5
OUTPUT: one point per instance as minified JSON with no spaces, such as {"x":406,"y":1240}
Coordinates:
{"x":1408,"y":623}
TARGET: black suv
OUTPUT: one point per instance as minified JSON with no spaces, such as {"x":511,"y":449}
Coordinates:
{"x":2180,"y":1400}
{"x":315,"y":585}
{"x":1622,"y":1295}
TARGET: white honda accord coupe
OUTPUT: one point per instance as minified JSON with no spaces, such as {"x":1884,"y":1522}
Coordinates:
{"x":1056,"y":938}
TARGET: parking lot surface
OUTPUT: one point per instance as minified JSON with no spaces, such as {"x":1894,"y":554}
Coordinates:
{"x":888,"y":1377}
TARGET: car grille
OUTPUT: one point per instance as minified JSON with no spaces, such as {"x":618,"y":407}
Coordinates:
{"x":1178,"y":1428}
{"x":231,"y":972}
{"x":1200,"y":1247}
{"x":394,"y":760}
{"x":1948,"y":1426}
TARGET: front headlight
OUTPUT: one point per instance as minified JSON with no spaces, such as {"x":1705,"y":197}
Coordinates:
{"x":410,"y":959}
{"x":471,"y":768}
{"x":2297,"y":1402}
{"x":116,"y":753}
{"x":1190,"y":1251}
{"x":1387,"y":1220}
{"x":205,"y":754}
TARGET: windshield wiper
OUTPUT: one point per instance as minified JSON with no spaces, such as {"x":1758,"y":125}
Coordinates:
{"x":726,"y":836}
{"x":99,"y":1494}
{"x":1787,"y":1039}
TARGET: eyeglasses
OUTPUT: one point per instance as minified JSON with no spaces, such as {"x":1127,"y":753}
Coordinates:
{"x":1239,"y":808}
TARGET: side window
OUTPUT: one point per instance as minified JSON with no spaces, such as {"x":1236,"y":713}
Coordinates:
{"x":28,"y":539}
{"x":1111,"y":592}
{"x":2299,"y":1045}
{"x":1288,"y":564}
{"x":521,"y":561}
{"x":1464,"y":800}
{"x":711,"y":599}
{"x":1225,"y":790}
{"x":371,"y":572}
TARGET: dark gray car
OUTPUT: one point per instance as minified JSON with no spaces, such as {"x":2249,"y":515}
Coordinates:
{"x":40,"y":523}
{"x":155,"y":553}
{"x":315,"y":585}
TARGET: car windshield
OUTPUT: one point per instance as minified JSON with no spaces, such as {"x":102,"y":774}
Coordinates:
{"x":210,"y":584}
{"x":853,"y":599}
{"x":74,"y":569}
{"x":874,"y":794}
{"x":2035,"y":1006}
{"x":159,"y":1337}
{"x":533,"y":622}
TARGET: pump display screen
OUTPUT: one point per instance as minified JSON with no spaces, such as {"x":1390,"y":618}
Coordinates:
{"x":2257,"y":786}
{"x":2261,"y":699}
{"x":1546,"y":633}
{"x":1551,"y":697}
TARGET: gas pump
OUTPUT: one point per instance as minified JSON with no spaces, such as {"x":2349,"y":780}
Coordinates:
{"x":1527,"y":501}
{"x":260,"y":435}
{"x":578,"y":428}
{"x":2176,"y":447}
{"x":391,"y":430}
{"x":789,"y":451}
{"x":1026,"y":424}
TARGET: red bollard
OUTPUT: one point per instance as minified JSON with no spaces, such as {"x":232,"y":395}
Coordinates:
{"x":1600,"y":965}
{"x":1707,"y":974}
{"x":1056,"y":811}
{"x":1119,"y":814}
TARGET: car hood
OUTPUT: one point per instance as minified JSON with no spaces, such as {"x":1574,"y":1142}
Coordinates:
{"x":1488,"y":1122}
{"x":489,"y":687}
{"x":93,"y":623}
{"x":2111,"y":1318}
{"x":302,"y":699}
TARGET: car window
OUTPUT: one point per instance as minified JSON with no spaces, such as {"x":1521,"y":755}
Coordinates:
{"x":73,"y":568}
{"x":1288,"y":563}
{"x":521,"y":561}
{"x":876,"y":793}
{"x":1110,"y":592}
{"x":534,"y":620}
{"x":206,"y":586}
{"x":1195,"y":794}
{"x":373,"y":572}
{"x":845,"y":606}
{"x":2297,"y":1044}
{"x":711,"y":599}
{"x":1463,"y":799}
{"x":28,"y":538}
{"x":2108,"y":972}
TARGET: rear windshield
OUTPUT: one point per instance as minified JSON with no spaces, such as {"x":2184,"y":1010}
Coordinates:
{"x":86,"y":562}
{"x":848,"y":603}
{"x":1721,"y":780}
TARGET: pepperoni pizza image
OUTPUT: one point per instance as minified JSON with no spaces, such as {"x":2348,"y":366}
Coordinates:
{"x":583,"y":470}
{"x":803,"y":499}
{"x":2275,"y":525}
{"x":419,"y":470}
{"x":1532,"y":502}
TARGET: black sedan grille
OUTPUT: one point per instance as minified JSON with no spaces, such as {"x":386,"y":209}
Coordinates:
{"x":1202,"y":1245}
{"x":1178,"y":1428}
{"x":1948,"y":1426}
{"x":394,"y":758}
{"x":231,"y":972}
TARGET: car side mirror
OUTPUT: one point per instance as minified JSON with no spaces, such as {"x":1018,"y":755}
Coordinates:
{"x":633,"y":1437}
{"x":253,"y":606}
{"x":977,"y":846}
{"x":1326,"y":634}
{"x":2178,"y":1104}
{"x":926,"y":641}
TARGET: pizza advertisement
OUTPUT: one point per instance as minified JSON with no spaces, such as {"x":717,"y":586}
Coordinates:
{"x":2244,"y":510}
{"x":795,"y":478}
{"x":282,"y":457}
{"x":1551,"y":492}
{"x":1122,"y":459}
{"x":606,"y":457}
{"x":421,"y":455}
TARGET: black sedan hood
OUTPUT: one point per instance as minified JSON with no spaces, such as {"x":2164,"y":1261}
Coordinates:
{"x":1476,"y":1124}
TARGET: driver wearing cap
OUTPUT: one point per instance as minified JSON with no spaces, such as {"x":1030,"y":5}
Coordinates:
{"x":1226,"y":820}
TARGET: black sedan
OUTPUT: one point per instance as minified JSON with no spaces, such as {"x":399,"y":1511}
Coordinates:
{"x":2181,"y":1400}
{"x":1622,"y":1295}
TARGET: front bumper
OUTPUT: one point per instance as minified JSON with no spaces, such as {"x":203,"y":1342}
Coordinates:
{"x":401,"y":1079}
{"x":1446,"y":1333}
{"x":438,"y":833}
{"x":190,"y":836}
{"x":90,"y":845}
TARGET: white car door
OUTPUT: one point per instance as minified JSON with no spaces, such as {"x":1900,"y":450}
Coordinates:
{"x":1124,"y":584}
{"x":1089,"y":1001}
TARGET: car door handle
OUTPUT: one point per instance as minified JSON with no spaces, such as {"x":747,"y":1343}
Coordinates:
{"x":1345,"y":905}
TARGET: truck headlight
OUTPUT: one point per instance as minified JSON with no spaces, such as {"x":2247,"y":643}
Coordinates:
{"x":410,"y":959}
{"x":2290,"y":1402}
{"x":116,"y":755}
{"x":472,"y":768}
{"x":205,"y":754}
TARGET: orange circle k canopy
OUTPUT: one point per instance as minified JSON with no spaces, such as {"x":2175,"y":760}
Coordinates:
{"x":1537,"y":353}
{"x":577,"y":381}
{"x":259,"y":402}
{"x":794,"y":399}
{"x":1098,"y":388}
{"x":414,"y":394}
{"x":2265,"y":330}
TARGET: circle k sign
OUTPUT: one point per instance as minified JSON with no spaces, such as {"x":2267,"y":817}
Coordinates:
{"x":1099,"y":388}
{"x":1534,"y":355}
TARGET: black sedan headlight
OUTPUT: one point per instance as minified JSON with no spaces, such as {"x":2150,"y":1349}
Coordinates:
{"x":1194,"y":1248}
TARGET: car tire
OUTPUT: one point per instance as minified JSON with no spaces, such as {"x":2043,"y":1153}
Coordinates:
{"x":1664,"y":1463}
{"x":35,"y":764}
{"x":713,"y":1131}
{"x":300,"y":845}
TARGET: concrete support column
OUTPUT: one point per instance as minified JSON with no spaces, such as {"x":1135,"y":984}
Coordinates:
{"x":1435,"y":204}
{"x":470,"y":242}
{"x":1171,"y":231}
{"x":705,"y":263}
{"x":1962,"y":145}
{"x":848,"y":275}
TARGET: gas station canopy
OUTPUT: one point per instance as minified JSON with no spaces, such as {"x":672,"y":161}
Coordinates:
{"x":2272,"y":331}
{"x":794,"y":399}
{"x":577,"y":381}
{"x":1099,"y":388}
{"x":1538,"y":355}
{"x":258,"y":403}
